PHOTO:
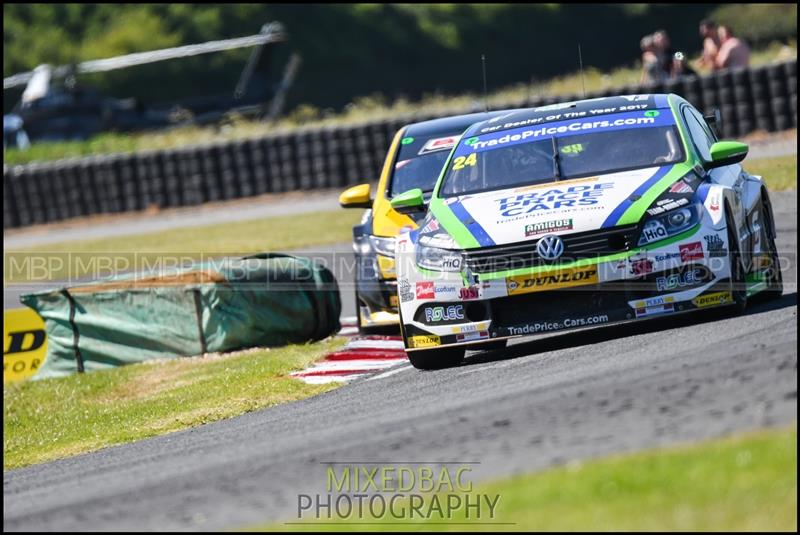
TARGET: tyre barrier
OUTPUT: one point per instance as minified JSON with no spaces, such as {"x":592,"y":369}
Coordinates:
{"x":761,"y":98}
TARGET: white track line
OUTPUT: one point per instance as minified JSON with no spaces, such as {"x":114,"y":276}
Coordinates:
{"x":312,"y":380}
{"x":390,"y":372}
{"x":375,"y":344}
{"x":365,"y":365}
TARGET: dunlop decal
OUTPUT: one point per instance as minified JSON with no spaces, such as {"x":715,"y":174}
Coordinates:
{"x":522,"y":284}
{"x":713,"y":299}
{"x":425,"y":341}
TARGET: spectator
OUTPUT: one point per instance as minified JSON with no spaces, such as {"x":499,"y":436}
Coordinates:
{"x":651,"y":70}
{"x":708,"y":31}
{"x":663,"y":51}
{"x":680,"y":67}
{"x":733,"y":52}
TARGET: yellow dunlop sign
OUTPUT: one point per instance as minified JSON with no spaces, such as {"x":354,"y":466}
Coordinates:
{"x":430,"y":340}
{"x":710,"y":300}
{"x":25,"y":346}
{"x":522,"y":284}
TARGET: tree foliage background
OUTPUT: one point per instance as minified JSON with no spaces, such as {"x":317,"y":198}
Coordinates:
{"x":360,"y":49}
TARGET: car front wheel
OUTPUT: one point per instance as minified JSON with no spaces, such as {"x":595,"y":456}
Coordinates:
{"x":738,"y":277}
{"x":772,"y":274}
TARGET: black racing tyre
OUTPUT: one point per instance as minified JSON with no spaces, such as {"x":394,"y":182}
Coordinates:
{"x":774,"y":275}
{"x":738,"y":276}
{"x":726,"y":97}
{"x":777,"y":88}
{"x":436,"y":359}
{"x":782,"y":123}
{"x":741,"y":94}
{"x":762,"y":108}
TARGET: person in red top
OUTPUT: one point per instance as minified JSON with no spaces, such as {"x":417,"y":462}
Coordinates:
{"x":733,"y":52}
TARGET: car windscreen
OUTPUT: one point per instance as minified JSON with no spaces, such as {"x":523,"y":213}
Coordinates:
{"x":563,"y":150}
{"x":419,"y":161}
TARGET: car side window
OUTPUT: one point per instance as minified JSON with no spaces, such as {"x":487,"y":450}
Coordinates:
{"x":701,"y":136}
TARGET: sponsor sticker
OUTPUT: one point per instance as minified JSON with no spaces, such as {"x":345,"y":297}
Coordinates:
{"x":654,"y":231}
{"x":663,"y":257}
{"x":468,"y":337}
{"x":522,"y":284}
{"x":678,"y":280}
{"x":713,"y":204}
{"x":468,"y":293}
{"x":715,"y":246}
{"x":681,"y":187}
{"x":428,"y":340}
{"x":548,"y":226}
{"x":25,"y":344}
{"x":441,"y":143}
{"x":425,"y":290}
{"x":712,"y":299}
{"x":653,"y":301}
{"x":691,"y":251}
{"x":392,"y":300}
{"x":569,"y":126}
{"x":654,"y":310}
{"x":431,"y":226}
{"x":640,"y":267}
{"x":404,"y":290}
{"x":553,"y":198}
{"x":446,"y":291}
{"x":440,"y":314}
{"x":545,"y":326}
{"x":472,"y":327}
{"x":665,"y":205}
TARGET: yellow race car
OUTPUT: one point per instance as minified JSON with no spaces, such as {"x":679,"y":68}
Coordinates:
{"x":414,"y":160}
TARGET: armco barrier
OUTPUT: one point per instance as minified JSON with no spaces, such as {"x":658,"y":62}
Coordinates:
{"x":761,"y":98}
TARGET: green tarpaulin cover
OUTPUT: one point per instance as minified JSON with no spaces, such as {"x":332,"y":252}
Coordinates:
{"x":223,"y":305}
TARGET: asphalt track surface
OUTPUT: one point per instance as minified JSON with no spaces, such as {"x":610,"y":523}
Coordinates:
{"x":543,"y":401}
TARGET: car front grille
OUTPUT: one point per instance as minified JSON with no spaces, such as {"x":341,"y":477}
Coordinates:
{"x":577,"y":246}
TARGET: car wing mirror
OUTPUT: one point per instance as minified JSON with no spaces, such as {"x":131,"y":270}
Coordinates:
{"x":726,"y":153}
{"x":356,"y":197}
{"x":409,"y":202}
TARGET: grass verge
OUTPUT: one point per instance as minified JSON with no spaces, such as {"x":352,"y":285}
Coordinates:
{"x":742,"y":483}
{"x":780,"y":173}
{"x":54,"y":418}
{"x":236,"y":238}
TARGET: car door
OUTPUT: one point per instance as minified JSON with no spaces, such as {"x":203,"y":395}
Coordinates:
{"x":731,"y":176}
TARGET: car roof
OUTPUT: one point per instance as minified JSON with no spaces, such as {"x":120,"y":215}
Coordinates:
{"x":450,"y":124}
{"x":578,"y":109}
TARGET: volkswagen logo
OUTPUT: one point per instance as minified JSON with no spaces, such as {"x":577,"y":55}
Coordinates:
{"x":550,"y":247}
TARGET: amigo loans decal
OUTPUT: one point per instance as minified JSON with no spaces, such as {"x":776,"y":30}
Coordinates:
{"x":25,"y":346}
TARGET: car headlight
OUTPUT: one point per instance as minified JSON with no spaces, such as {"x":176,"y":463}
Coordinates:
{"x":384,"y":246}
{"x":670,"y":223}
{"x":437,"y":259}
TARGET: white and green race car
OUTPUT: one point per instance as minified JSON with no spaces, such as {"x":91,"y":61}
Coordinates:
{"x":581,"y":214}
